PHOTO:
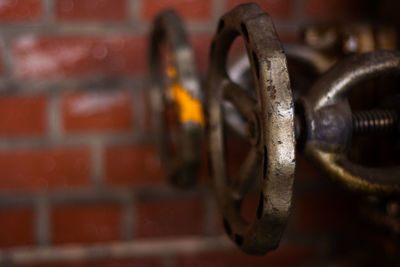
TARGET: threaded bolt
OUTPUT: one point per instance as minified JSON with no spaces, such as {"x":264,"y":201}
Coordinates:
{"x":378,"y":121}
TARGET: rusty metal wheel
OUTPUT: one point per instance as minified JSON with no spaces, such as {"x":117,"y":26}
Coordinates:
{"x":239,"y":71}
{"x":329,"y":123}
{"x":175,"y":86}
{"x":270,"y":129}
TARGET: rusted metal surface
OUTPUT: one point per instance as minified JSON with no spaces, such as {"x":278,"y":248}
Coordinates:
{"x":239,"y":71}
{"x":176,"y":85}
{"x":270,"y":125}
{"x":317,"y":61}
{"x":329,"y":124}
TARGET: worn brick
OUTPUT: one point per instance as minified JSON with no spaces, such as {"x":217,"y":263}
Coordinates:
{"x":147,"y":109}
{"x":190,"y":10}
{"x":92,"y":10}
{"x":42,"y":169}
{"x":17,"y":227}
{"x":278,"y":9}
{"x":176,"y":217}
{"x":330,"y":9}
{"x":82,"y":112}
{"x":201,"y":45}
{"x":20,"y":11}
{"x":248,"y":211}
{"x":23,"y":115}
{"x":43,"y":58}
{"x":249,"y":207}
{"x":86,"y":223}
{"x":1,"y":64}
{"x":133,"y":165}
{"x":237,"y":150}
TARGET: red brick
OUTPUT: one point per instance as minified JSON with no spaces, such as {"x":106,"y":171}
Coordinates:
{"x":133,"y":164}
{"x":177,"y":217}
{"x":77,"y":56}
{"x":289,"y":36}
{"x":19,"y":11}
{"x":92,"y":10}
{"x":86,"y":223}
{"x":23,"y":115}
{"x":201,"y":44}
{"x":249,"y":207}
{"x":17,"y":227}
{"x":283,"y":256}
{"x":1,"y":64}
{"x":189,"y":10}
{"x":237,"y":150}
{"x":90,"y":112}
{"x":278,"y":9}
{"x":147,"y":109}
{"x":40,"y":169}
{"x":237,"y":48}
{"x":330,"y":9}
{"x":247,"y":211}
{"x":137,"y":262}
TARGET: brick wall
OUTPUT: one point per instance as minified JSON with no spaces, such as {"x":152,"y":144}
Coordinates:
{"x":78,"y":164}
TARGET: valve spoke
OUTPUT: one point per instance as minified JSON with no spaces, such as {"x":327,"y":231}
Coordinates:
{"x":240,"y":98}
{"x":243,"y":180}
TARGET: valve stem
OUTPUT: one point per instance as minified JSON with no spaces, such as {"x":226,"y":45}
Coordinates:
{"x":377,"y":121}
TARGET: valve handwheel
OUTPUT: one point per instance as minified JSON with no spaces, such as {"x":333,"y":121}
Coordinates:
{"x":181,"y":90}
{"x":270,"y":129}
{"x":329,"y":122}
